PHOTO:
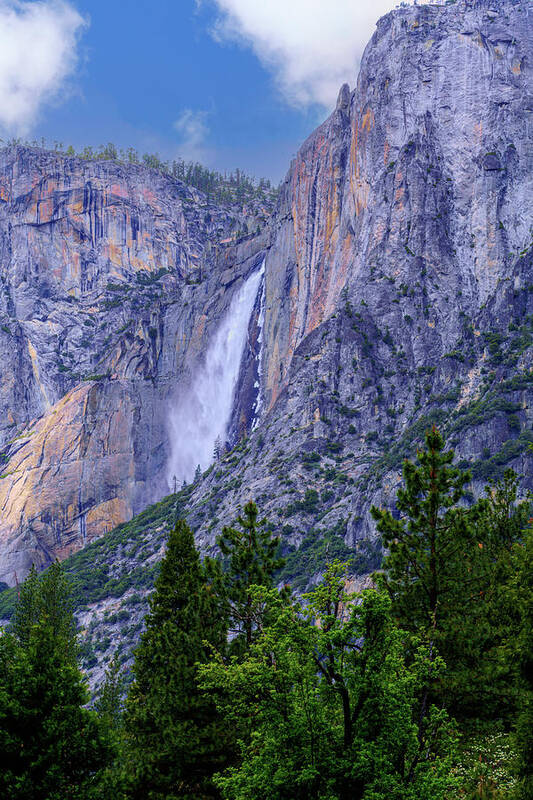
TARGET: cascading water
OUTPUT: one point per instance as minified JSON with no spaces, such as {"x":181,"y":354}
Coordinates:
{"x":202,"y":414}
{"x":260,"y":326}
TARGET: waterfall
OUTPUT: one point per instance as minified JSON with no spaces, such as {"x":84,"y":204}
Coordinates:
{"x":260,"y":325}
{"x":202,"y":413}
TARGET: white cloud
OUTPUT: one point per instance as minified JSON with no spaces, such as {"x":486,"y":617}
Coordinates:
{"x":193,"y":130}
{"x":311,"y":46}
{"x":38,"y":53}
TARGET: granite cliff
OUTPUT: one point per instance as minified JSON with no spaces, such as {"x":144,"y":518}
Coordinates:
{"x":397,"y":292}
{"x":398,"y":278}
{"x":113,"y":279}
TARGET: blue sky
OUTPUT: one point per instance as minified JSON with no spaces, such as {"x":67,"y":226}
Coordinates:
{"x":143,"y":69}
{"x":226,"y":82}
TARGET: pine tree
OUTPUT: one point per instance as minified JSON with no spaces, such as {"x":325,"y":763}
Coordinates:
{"x":519,"y":649}
{"x":27,"y":610}
{"x":174,"y":738}
{"x":479,"y":617}
{"x":51,"y":746}
{"x":109,"y":707}
{"x":251,"y":555}
{"x":111,"y":694}
{"x":423,"y":543}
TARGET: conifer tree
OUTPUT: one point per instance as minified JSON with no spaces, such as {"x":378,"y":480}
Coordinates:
{"x":424,"y":544}
{"x":445,"y":571}
{"x":109,"y":707}
{"x":46,"y":597}
{"x":110,"y":697}
{"x":424,"y":541}
{"x":480,"y":617}
{"x":27,"y":612}
{"x":251,"y":554}
{"x":520,"y":649}
{"x":174,"y":738}
{"x":51,"y":746}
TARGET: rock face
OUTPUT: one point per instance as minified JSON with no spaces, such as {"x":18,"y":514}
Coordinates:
{"x":112,"y":281}
{"x":397,"y":293}
{"x":422,"y":177}
{"x":398,"y":278}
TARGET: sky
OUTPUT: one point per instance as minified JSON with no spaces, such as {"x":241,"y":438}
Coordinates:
{"x":229,"y":83}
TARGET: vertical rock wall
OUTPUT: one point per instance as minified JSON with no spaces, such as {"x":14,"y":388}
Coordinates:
{"x":112,"y":281}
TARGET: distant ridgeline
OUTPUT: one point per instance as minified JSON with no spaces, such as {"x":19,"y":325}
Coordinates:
{"x":235,"y":189}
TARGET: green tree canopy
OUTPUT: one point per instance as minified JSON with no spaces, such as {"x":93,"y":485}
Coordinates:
{"x":250,"y":552}
{"x":518,"y":650}
{"x":445,"y":570}
{"x":51,"y":746}
{"x":175,"y":740}
{"x":423,"y":542}
{"x":330,"y":704}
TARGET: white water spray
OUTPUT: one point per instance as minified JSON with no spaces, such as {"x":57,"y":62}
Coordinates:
{"x":260,"y":325}
{"x":202,"y":413}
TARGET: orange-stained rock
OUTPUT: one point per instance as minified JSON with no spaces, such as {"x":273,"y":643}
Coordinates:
{"x":112,"y":291}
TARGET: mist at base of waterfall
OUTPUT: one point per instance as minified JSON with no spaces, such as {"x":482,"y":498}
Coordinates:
{"x":201,"y":413}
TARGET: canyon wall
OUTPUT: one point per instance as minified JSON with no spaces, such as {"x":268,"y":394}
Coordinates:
{"x":398,"y":278}
{"x":421,"y":176}
{"x":113,"y":279}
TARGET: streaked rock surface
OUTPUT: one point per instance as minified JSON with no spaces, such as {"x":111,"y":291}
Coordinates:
{"x":399,"y":276}
{"x":113,"y":279}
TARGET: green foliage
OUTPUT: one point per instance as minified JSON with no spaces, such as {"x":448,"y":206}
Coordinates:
{"x":478,"y":625}
{"x":309,"y":503}
{"x":89,"y":570}
{"x":484,"y":768}
{"x":424,"y":539}
{"x":491,"y":467}
{"x":236,"y":189}
{"x":402,"y":448}
{"x":311,"y":458}
{"x":52,"y":747}
{"x":45,"y":598}
{"x":333,"y":704}
{"x":173,"y":738}
{"x":479,"y":411}
{"x":520,"y":651}
{"x":342,"y":696}
{"x":251,"y":555}
{"x":319,"y":548}
{"x":109,"y":702}
{"x":445,"y":571}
